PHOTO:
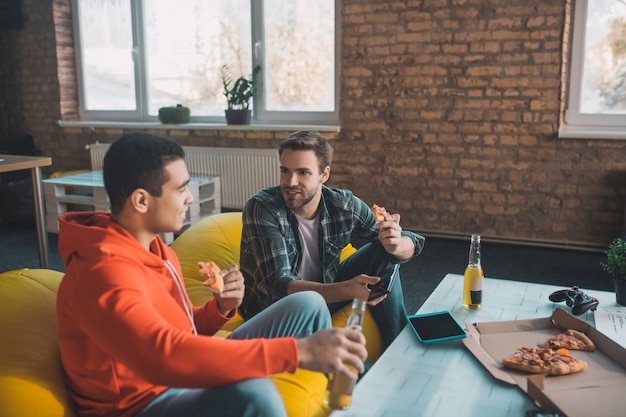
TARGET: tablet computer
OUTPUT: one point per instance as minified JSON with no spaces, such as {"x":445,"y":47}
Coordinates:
{"x":436,"y":327}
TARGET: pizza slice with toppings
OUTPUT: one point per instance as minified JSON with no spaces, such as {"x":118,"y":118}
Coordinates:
{"x":544,"y":361}
{"x":380,"y":213}
{"x":212,"y":275}
{"x":573,"y":340}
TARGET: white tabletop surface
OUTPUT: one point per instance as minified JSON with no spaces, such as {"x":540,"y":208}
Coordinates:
{"x":444,"y":379}
{"x":95,"y":179}
{"x":9,"y":163}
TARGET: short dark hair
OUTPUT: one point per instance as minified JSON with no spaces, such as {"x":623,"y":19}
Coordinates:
{"x":137,"y":160}
{"x":303,"y":140}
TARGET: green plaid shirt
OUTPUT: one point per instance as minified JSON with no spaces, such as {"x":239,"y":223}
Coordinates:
{"x":271,"y":252}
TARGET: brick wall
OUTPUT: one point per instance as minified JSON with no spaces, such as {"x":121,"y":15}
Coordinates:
{"x":11,"y":113}
{"x":449,"y":108}
{"x":30,"y":94}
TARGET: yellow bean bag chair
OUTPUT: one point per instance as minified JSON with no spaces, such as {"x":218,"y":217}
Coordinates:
{"x":31,"y":376}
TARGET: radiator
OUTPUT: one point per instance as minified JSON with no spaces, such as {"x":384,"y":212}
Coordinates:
{"x":242,"y":171}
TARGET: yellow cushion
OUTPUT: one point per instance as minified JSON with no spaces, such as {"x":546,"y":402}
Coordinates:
{"x":346,"y":251}
{"x":31,"y":376}
{"x":303,"y":393}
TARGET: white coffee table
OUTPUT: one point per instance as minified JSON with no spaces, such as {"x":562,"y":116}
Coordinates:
{"x":86,"y":189}
{"x":444,"y":379}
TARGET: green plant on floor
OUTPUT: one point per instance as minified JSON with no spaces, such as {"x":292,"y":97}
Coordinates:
{"x":616,"y":259}
{"x":239,"y":95}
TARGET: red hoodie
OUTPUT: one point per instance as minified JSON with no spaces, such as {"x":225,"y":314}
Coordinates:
{"x":124,"y":324}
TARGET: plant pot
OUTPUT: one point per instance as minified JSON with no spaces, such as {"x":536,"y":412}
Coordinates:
{"x":620,"y":291}
{"x":238,"y":116}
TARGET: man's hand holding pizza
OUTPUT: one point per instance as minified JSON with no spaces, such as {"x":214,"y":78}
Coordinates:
{"x":227,"y":285}
{"x":390,"y":234}
{"x":234,"y":289}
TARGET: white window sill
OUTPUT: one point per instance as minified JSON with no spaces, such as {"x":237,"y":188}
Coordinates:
{"x":592,"y":132}
{"x":196,"y":126}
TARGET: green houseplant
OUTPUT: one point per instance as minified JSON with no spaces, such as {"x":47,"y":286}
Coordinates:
{"x":615,"y":265}
{"x":238,"y":95}
{"x":174,"y":114}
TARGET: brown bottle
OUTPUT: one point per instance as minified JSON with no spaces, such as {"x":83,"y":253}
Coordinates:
{"x":339,"y":391}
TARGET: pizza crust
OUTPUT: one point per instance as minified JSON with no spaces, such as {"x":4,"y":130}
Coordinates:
{"x":568,"y":368}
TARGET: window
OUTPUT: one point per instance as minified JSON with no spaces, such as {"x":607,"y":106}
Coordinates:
{"x":135,"y":56}
{"x":597,"y":87}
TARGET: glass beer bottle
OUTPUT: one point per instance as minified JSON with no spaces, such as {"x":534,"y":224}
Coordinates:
{"x":473,"y":277}
{"x":339,"y":391}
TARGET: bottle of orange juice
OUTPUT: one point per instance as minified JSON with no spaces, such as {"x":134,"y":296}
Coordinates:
{"x":473,"y":277}
{"x":339,"y":391}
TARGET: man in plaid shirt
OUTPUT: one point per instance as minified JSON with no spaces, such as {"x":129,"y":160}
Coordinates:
{"x":293,"y":235}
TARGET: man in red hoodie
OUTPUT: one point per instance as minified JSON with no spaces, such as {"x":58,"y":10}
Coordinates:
{"x":131,"y":342}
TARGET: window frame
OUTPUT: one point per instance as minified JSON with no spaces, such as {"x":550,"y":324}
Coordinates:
{"x":577,"y":124}
{"x":260,"y":116}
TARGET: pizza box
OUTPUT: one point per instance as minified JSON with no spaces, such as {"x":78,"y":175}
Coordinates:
{"x":599,"y":390}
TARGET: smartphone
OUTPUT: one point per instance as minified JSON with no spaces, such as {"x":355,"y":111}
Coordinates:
{"x":384,"y":285}
{"x":436,"y":327}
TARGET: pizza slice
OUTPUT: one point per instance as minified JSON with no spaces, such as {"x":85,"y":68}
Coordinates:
{"x":544,"y":361}
{"x":380,"y":213}
{"x":212,"y":275}
{"x":573,"y":340}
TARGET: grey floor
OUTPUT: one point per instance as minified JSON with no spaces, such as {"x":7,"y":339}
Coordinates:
{"x":18,"y":246}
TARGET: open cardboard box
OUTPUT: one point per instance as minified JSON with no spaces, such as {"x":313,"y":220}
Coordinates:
{"x":599,"y":390}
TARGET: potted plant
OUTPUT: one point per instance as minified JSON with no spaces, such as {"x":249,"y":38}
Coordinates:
{"x":174,"y":114}
{"x":238,"y":95}
{"x":616,"y":266}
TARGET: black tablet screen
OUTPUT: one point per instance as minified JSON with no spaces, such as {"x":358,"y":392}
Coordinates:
{"x":436,"y":326}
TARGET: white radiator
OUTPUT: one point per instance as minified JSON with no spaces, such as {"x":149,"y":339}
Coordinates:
{"x":242,"y":171}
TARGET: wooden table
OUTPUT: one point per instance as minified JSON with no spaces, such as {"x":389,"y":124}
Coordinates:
{"x":9,"y":163}
{"x":444,"y":379}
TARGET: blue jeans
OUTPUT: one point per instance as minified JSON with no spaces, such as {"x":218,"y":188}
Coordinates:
{"x":372,"y":259}
{"x":299,"y":315}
